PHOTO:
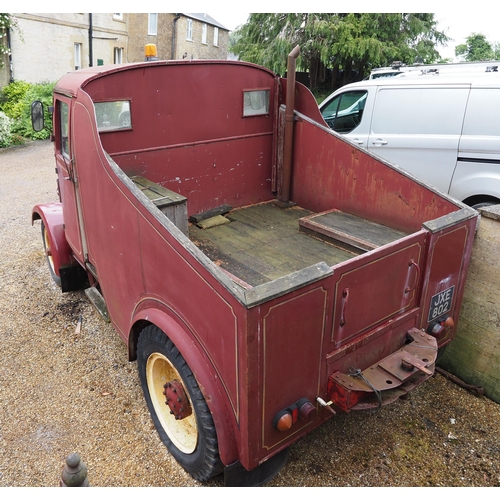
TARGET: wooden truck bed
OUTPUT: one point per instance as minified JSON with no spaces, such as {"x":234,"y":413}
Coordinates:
{"x":263,"y":242}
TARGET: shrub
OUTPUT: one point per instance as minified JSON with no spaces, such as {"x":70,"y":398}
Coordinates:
{"x":41,"y":92}
{"x":5,"y":134}
{"x":11,"y":96}
{"x":16,"y":102}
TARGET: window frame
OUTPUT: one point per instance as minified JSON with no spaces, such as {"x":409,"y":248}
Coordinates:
{"x":116,"y":121}
{"x":337,"y":104}
{"x":77,"y":55}
{"x":62,"y":130}
{"x":189,"y":30}
{"x":204,"y":31}
{"x":216,"y":36}
{"x":263,"y":94}
{"x":153,"y":23}
{"x":117,"y":51}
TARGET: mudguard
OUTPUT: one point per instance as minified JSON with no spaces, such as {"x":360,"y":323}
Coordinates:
{"x":152,"y":312}
{"x":52,"y":216}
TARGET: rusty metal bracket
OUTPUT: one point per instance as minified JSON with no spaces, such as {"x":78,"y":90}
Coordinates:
{"x":476,"y":390}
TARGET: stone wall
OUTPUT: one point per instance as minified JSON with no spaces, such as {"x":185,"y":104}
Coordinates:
{"x":194,"y":48}
{"x":474,"y":355}
{"x":43,"y":49}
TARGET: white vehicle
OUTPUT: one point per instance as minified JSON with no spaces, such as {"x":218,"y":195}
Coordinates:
{"x":443,"y":129}
{"x":399,"y":69}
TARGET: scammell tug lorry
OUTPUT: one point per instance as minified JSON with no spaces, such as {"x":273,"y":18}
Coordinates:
{"x":265,"y":272}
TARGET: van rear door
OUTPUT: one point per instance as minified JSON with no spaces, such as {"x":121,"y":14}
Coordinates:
{"x":478,"y":166}
{"x":418,"y":128}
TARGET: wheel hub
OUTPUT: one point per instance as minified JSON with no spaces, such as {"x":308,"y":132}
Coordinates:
{"x":177,"y":400}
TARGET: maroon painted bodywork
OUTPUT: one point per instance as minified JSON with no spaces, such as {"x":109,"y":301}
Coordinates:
{"x":254,"y":350}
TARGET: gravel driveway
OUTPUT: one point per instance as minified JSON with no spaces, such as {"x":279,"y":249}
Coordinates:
{"x":64,"y":391}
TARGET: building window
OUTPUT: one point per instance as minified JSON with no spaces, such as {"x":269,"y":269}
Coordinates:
{"x":118,"y":55}
{"x":189,"y":35}
{"x":153,"y":24}
{"x":78,"y":55}
{"x":216,"y":37}
{"x":118,"y":16}
{"x":204,"y":33}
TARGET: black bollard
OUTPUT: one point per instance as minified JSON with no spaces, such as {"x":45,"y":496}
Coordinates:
{"x":74,"y":472}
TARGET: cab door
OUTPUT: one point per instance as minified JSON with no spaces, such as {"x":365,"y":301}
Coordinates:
{"x":66,"y":173}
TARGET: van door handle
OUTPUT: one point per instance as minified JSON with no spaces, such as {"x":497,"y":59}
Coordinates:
{"x":359,"y":142}
{"x":379,"y":142}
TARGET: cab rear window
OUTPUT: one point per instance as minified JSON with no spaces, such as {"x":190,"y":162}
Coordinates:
{"x":113,"y":115}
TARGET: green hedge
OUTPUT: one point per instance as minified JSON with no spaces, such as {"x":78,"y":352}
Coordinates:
{"x":15,"y":102}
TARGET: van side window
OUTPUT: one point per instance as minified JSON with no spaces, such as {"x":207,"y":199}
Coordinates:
{"x":343,"y":114}
{"x":63,"y":115}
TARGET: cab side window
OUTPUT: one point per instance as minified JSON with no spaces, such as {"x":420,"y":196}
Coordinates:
{"x":63,"y":127}
{"x":344,"y":113}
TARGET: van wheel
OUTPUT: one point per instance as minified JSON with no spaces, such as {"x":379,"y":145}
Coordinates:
{"x":177,"y":406}
{"x":48,"y":254}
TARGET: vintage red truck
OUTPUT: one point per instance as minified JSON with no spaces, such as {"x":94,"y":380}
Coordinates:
{"x":264,"y":272}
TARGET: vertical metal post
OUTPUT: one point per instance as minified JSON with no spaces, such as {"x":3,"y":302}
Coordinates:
{"x":91,"y":47}
{"x":288,"y":142}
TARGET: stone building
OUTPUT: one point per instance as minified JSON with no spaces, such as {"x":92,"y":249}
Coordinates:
{"x":177,"y":36}
{"x":46,"y":46}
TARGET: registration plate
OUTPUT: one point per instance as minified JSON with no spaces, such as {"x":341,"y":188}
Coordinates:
{"x":441,"y":303}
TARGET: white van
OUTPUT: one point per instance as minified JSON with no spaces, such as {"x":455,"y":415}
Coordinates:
{"x":399,"y":68}
{"x":442,"y":129}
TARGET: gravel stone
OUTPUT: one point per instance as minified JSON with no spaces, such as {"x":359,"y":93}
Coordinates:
{"x":63,"y":392}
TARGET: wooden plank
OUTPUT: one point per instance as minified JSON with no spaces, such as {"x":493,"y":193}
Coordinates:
{"x":350,"y":230}
{"x":263,"y":243}
{"x":159,"y":195}
{"x":223,"y":209}
{"x":172,"y":204}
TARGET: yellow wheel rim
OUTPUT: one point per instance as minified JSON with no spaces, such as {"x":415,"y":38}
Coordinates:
{"x":183,"y":433}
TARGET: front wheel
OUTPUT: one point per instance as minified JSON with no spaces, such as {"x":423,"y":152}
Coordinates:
{"x":177,"y":406}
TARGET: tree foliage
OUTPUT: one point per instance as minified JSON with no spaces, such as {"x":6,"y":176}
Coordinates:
{"x":342,"y":43}
{"x":477,"y":48}
{"x":7,"y":21}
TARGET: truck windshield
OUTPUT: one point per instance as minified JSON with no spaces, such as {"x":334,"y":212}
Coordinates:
{"x":113,"y":115}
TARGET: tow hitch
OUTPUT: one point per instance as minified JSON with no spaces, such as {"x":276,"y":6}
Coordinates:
{"x":388,"y":379}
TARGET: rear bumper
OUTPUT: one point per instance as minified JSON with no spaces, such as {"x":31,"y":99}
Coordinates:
{"x":388,"y":379}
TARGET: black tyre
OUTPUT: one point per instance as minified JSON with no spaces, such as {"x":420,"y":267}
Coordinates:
{"x":48,"y":254}
{"x":191,"y":437}
{"x":477,"y":206}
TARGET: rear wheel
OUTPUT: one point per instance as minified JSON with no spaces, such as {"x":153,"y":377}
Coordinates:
{"x":177,"y":406}
{"x":48,"y":254}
